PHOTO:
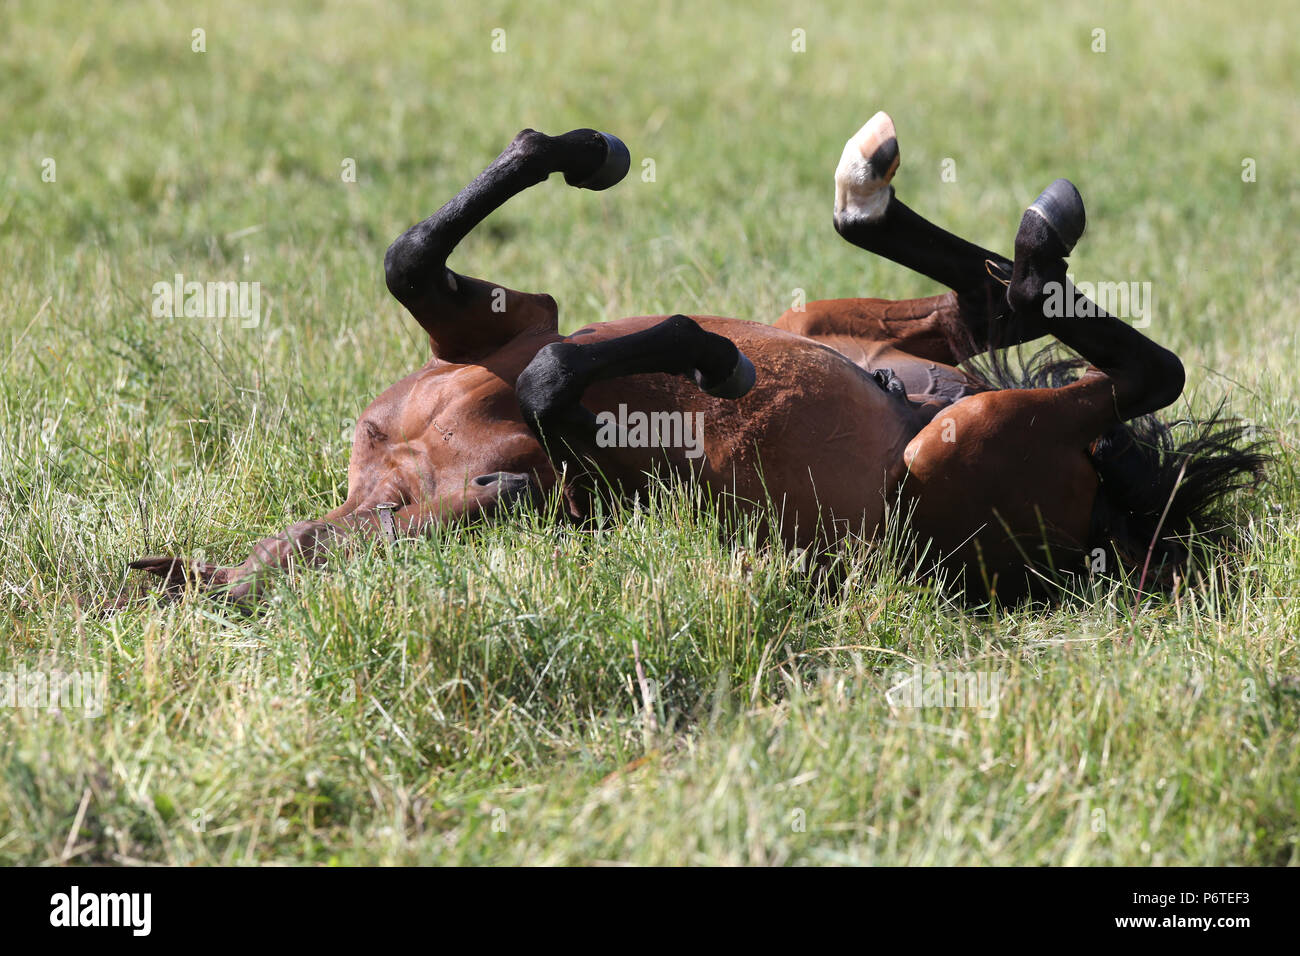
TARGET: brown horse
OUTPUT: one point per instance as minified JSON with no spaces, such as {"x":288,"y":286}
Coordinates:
{"x":825,"y":420}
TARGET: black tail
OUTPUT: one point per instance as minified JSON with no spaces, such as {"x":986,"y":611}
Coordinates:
{"x":1159,"y":492}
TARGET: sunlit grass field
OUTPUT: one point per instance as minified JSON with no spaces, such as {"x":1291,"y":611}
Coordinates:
{"x":473,"y":698}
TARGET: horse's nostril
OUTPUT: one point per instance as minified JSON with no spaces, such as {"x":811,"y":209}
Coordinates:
{"x":507,"y":482}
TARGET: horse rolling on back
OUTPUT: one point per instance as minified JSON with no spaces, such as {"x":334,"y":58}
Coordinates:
{"x":825,"y":420}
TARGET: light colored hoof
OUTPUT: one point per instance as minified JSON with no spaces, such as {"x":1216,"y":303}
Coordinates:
{"x":867,"y":164}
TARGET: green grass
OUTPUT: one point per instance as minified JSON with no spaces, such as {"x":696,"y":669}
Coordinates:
{"x":473,"y":698}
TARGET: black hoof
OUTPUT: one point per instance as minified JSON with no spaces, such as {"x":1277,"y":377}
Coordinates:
{"x":612,"y":170}
{"x":1061,"y":207}
{"x":735,"y":385}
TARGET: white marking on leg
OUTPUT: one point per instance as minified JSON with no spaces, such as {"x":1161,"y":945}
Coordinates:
{"x":861,"y":191}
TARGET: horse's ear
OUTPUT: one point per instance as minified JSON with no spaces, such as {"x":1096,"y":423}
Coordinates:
{"x":176,"y":573}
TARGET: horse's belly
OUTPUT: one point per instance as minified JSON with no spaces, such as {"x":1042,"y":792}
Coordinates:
{"x":816,"y":439}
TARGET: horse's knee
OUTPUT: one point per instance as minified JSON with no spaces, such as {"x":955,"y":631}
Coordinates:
{"x":548,"y":382}
{"x":406,"y":265}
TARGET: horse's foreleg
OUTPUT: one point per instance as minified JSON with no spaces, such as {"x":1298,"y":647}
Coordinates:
{"x":415,"y":265}
{"x":550,"y":388}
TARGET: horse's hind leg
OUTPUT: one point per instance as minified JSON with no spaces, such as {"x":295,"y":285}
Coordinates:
{"x":1005,"y":483}
{"x":999,"y":302}
{"x":464,"y":316}
{"x":869,"y":215}
{"x":1145,"y":376}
